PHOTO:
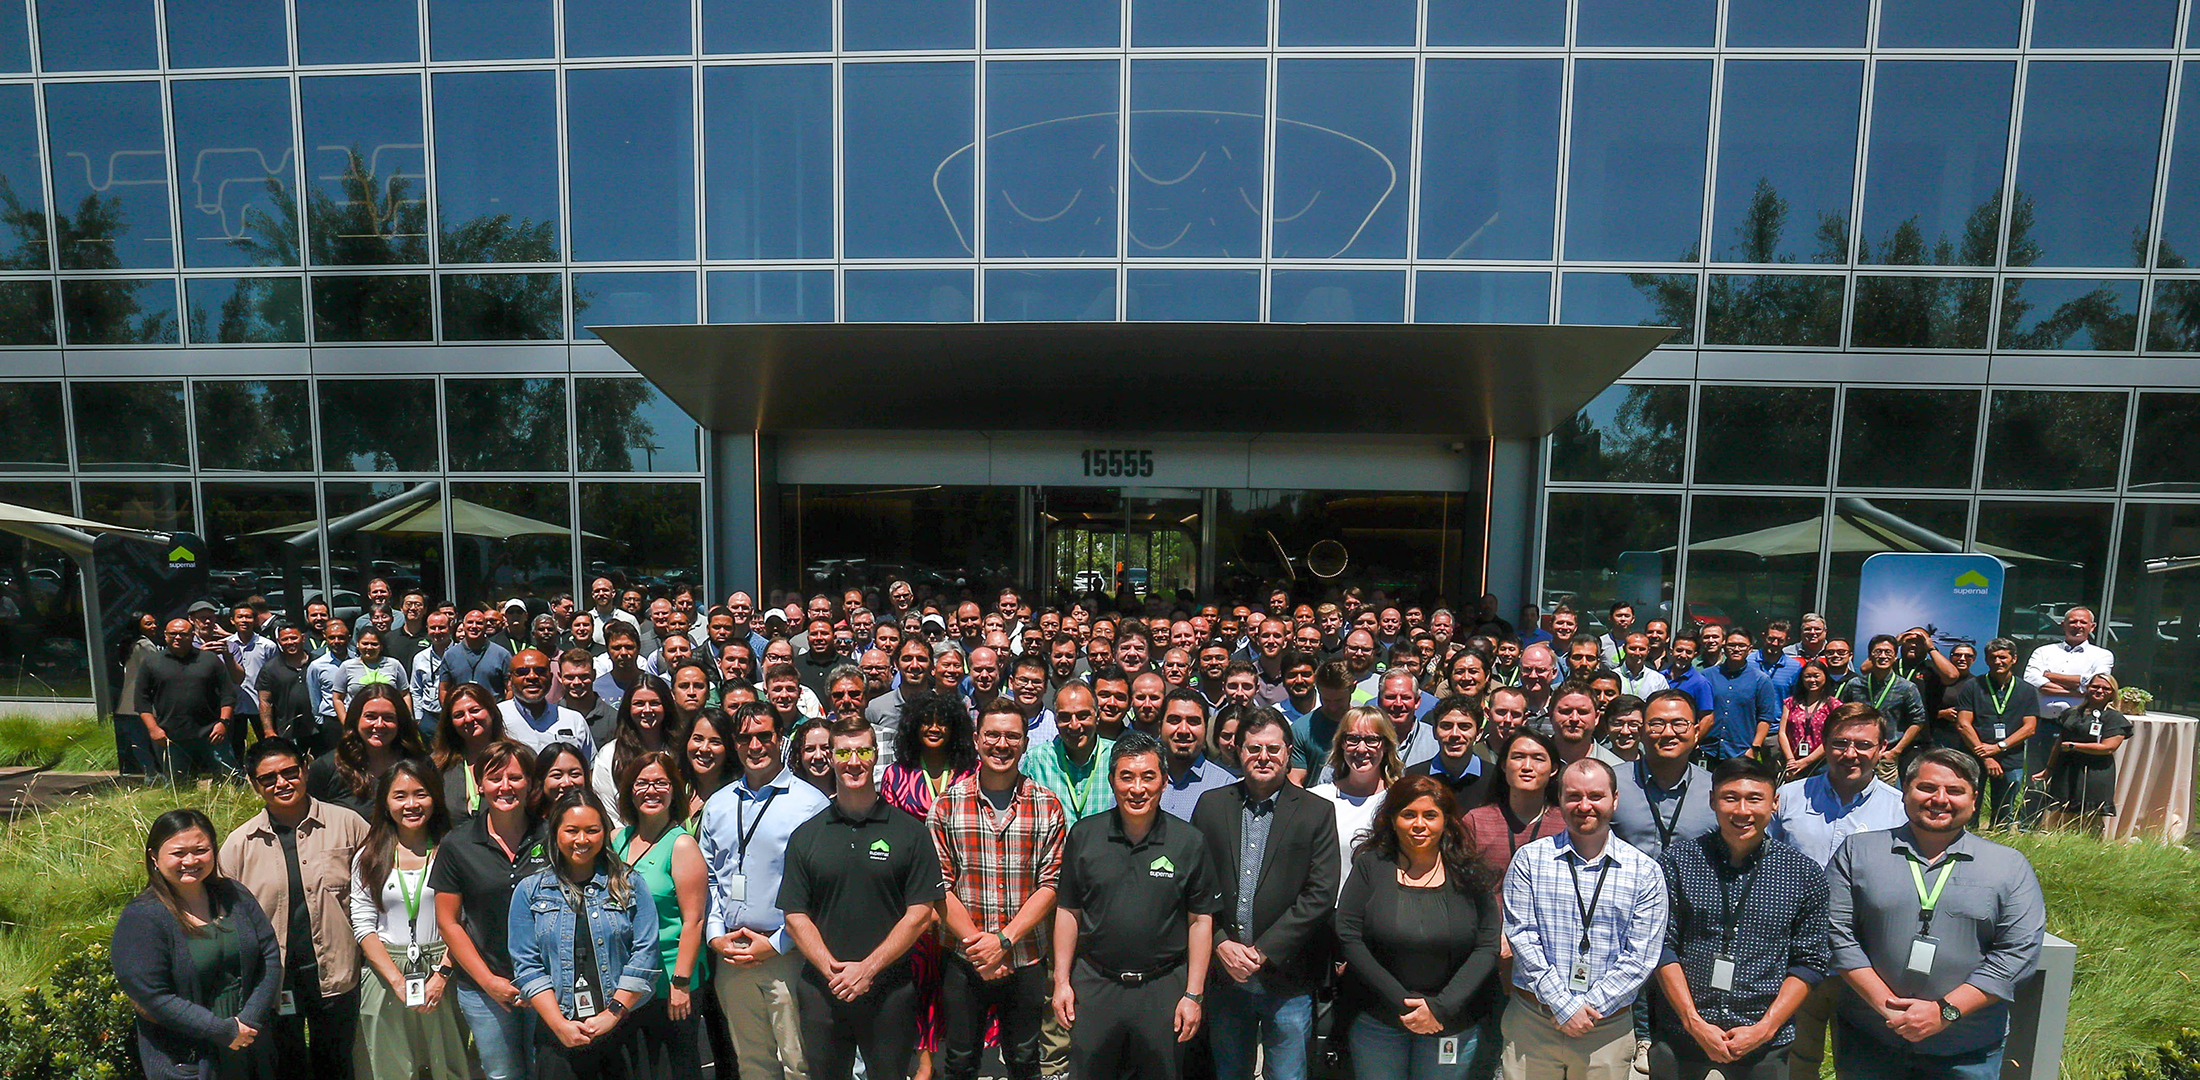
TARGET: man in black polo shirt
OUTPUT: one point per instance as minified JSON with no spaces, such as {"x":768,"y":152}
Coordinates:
{"x":1133,"y":928}
{"x":1994,"y":716}
{"x":184,"y":697}
{"x":286,"y":708}
{"x":860,"y":881}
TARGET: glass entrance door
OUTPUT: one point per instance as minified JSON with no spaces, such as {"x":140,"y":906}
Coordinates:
{"x":1107,"y":540}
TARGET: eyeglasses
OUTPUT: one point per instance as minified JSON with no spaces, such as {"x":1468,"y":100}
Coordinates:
{"x":530,"y":669}
{"x":270,"y":779}
{"x":760,"y":738}
{"x":641,"y":786}
{"x":846,"y":754}
{"x":1674,"y":724}
{"x":1851,"y":746}
{"x":1363,"y":740}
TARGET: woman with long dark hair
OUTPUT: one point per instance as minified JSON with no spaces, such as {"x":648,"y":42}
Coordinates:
{"x":378,"y":733}
{"x":1419,"y":923}
{"x":704,"y":757}
{"x":810,"y":751}
{"x":481,"y":861}
{"x":1803,"y":721}
{"x":1522,"y":808}
{"x":934,"y":748}
{"x":659,"y":848}
{"x":407,"y":1021}
{"x":647,"y":723}
{"x":583,"y":934}
{"x":196,"y":956}
{"x":556,"y":769}
{"x":470,"y":725}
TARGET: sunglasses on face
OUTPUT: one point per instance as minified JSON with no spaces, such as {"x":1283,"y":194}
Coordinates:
{"x":846,"y":754}
{"x":270,"y":779}
{"x":531,"y":669}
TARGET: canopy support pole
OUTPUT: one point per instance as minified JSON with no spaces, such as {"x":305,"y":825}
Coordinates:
{"x":296,"y":547}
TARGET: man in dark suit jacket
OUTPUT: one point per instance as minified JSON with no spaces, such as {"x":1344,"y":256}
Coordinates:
{"x":1274,"y":847}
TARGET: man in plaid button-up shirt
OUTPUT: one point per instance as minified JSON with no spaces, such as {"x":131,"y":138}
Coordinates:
{"x":1000,"y":840}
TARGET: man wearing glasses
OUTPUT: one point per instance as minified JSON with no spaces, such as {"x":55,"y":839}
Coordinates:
{"x":1814,"y":816}
{"x":745,"y":828}
{"x":295,"y":857}
{"x":860,"y":882}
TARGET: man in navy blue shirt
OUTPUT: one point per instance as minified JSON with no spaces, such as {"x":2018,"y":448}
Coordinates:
{"x":1681,"y":672}
{"x":1772,"y":659}
{"x":1745,"y":707}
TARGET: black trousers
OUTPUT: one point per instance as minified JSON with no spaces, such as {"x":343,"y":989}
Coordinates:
{"x":1669,"y":1060}
{"x":317,"y":1041}
{"x":604,"y":1059}
{"x":881,"y":1024}
{"x":1122,"y":1031}
{"x":1021,"y":998}
{"x":661,"y":1048}
{"x":717,"y":1038}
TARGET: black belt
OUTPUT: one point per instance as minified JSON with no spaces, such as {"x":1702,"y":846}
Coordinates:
{"x":1131,"y":978}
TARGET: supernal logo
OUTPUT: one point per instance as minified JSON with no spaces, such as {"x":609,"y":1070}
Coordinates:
{"x":880,"y":849}
{"x":1161,"y":867}
{"x":1970,"y":583}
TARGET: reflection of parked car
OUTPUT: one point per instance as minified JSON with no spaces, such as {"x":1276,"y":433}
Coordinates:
{"x":232,"y":585}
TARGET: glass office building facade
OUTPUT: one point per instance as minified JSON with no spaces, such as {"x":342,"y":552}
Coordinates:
{"x":269,"y":261}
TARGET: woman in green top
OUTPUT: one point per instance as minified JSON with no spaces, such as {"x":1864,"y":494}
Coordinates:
{"x":659,"y":847}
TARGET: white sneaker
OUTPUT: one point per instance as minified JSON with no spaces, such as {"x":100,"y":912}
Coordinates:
{"x":1642,"y":1058}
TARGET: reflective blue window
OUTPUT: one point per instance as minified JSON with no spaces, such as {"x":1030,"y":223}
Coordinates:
{"x":1631,"y":300}
{"x":1837,"y":24}
{"x":1496,"y":22}
{"x":15,"y":44}
{"x":1050,"y":295}
{"x":120,"y":311}
{"x":1787,"y":161}
{"x":1344,"y":158}
{"x":226,"y":33}
{"x":767,"y":26}
{"x":1337,"y":296}
{"x":768,"y":162}
{"x":628,"y":28}
{"x":1194,"y":23}
{"x":907,"y":173}
{"x":1774,"y":309}
{"x":2070,"y":314}
{"x":1940,"y":24}
{"x":496,"y":166}
{"x":1345,"y":22}
{"x":1053,"y":24}
{"x":1192,"y":295}
{"x":1489,"y":158}
{"x":1197,"y":133}
{"x":23,"y":244}
{"x":1645,"y":22}
{"x":489,"y":29}
{"x":1491,"y":296}
{"x":872,"y":25}
{"x":746,"y":296}
{"x":1921,"y":312}
{"x":358,"y":31}
{"x":29,"y":321}
{"x":503,"y":307}
{"x":110,"y":177}
{"x":2181,"y":196}
{"x":655,"y":298}
{"x":246,"y":311}
{"x":234,"y":166}
{"x":382,"y":307}
{"x":2104,"y":24}
{"x":366,"y":170}
{"x":96,"y":35}
{"x":2173,"y":323}
{"x":909,"y":296}
{"x":1932,"y":182}
{"x":1634,"y":181}
{"x":630,"y":152}
{"x":2085,"y":163}
{"x":1050,"y":164}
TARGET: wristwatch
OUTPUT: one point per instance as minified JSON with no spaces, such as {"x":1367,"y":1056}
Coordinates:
{"x":1949,"y":1014}
{"x":1008,"y":944}
{"x":618,"y":1008}
{"x":445,"y":971}
{"x":1196,"y":999}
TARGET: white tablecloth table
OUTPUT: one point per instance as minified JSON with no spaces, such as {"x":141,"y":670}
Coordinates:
{"x":2154,"y":779}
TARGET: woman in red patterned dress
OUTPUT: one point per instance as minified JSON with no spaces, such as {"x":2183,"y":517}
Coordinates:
{"x":934,"y":747}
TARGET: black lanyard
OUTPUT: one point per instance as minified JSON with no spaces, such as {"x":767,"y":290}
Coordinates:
{"x":746,"y":832}
{"x":1588,"y":910}
{"x":1512,"y":835}
{"x":1666,"y":829}
{"x":1731,"y":908}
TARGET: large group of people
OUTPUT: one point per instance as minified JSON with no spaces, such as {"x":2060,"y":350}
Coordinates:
{"x":1357,"y":837}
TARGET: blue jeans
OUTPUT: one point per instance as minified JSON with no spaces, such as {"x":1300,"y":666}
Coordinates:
{"x":1383,"y":1052}
{"x":1238,"y":1014}
{"x":1857,"y":1056}
{"x":501,"y":1036}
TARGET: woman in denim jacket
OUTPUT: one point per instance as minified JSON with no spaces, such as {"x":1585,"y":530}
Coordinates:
{"x":582,"y":977}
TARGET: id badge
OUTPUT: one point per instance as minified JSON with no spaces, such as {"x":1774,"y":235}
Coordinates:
{"x":584,"y":1004}
{"x":1579,"y":980}
{"x":2001,"y":731}
{"x":286,"y":1004}
{"x":2094,"y":729}
{"x":1447,"y":1050}
{"x":1922,"y":949}
{"x":1722,"y":974}
{"x":416,"y":991}
{"x":737,"y":888}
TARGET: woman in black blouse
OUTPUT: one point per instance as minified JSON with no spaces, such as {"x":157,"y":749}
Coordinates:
{"x":1419,"y":925}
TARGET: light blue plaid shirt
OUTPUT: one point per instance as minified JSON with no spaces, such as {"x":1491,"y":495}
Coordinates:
{"x":1543,"y":923}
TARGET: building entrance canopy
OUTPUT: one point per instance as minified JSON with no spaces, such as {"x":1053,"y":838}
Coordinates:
{"x":1482,"y":381}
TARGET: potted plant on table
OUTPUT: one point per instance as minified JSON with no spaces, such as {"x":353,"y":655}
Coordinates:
{"x":2133,"y":701}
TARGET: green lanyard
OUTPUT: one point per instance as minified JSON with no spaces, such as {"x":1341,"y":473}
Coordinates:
{"x":1927,"y":900}
{"x":1879,"y":698}
{"x":2001,"y":704}
{"x":412,"y":897}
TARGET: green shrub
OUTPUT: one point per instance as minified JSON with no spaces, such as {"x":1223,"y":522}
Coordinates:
{"x":2177,"y":1059}
{"x":77,"y":1027}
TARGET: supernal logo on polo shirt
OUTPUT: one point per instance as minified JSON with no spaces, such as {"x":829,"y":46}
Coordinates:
{"x":880,"y":849}
{"x":1161,"y":867}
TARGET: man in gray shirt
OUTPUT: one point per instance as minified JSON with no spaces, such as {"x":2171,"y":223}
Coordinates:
{"x":1665,"y":796}
{"x":1933,"y":928}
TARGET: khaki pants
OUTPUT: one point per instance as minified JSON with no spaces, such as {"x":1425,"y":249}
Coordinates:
{"x":761,"y":1016}
{"x":1536,"y":1050}
{"x":1812,"y":1018}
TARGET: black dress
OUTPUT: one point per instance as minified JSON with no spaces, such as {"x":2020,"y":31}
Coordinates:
{"x":2086,"y":783}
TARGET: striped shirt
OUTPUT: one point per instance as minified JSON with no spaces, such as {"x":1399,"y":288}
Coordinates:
{"x":994,"y":860}
{"x":1546,"y":888}
{"x":1083,"y":789}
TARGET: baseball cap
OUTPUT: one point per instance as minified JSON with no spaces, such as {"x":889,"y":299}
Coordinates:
{"x":515,"y":602}
{"x":198,"y":606}
{"x":933,"y":620}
